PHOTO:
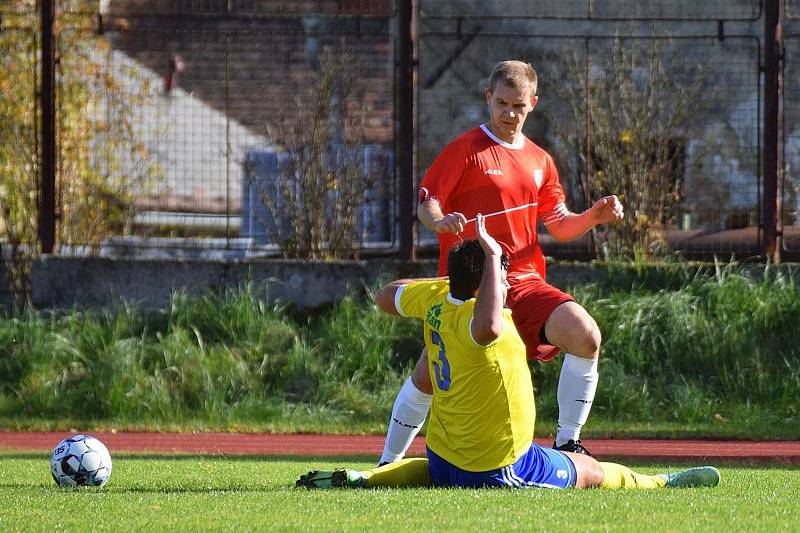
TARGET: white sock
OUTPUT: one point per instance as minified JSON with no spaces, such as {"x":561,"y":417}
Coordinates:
{"x":576,"y":387}
{"x":408,"y":415}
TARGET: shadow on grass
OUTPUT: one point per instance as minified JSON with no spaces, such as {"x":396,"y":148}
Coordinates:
{"x":195,"y":490}
{"x":213,"y":456}
{"x":144,"y":490}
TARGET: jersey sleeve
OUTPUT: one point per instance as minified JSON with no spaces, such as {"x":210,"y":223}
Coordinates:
{"x":414,"y":299}
{"x":551,"y":195}
{"x":445,"y":173}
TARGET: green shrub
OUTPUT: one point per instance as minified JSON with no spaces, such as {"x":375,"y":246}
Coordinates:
{"x":728,"y":339}
{"x":710,"y":348}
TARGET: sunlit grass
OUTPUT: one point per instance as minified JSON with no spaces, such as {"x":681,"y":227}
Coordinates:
{"x":196,"y":493}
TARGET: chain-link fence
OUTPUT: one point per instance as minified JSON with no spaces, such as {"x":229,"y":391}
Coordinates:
{"x":582,"y":50}
{"x":575,"y":10}
{"x":790,"y":194}
{"x":174,"y":118}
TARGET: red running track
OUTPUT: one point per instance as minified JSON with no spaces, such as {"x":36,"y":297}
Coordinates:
{"x":774,"y":452}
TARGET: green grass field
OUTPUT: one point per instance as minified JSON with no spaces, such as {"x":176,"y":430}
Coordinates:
{"x":191,"y":493}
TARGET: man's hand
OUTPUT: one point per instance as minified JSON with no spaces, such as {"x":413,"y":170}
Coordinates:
{"x":607,"y":209}
{"x":487,"y":242}
{"x":450,"y":223}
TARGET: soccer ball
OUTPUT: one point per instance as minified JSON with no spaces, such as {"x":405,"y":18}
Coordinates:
{"x":80,"y":460}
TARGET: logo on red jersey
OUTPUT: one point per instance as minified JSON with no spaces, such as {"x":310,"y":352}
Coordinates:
{"x":493,"y":172}
{"x":538,"y":176}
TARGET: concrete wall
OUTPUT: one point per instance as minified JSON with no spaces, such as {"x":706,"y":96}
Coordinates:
{"x":65,"y":282}
{"x":61,"y":282}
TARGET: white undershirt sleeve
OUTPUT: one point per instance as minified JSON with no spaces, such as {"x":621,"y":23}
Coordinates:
{"x":397,"y":300}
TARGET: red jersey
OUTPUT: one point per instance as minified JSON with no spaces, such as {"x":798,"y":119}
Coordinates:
{"x":480,"y":173}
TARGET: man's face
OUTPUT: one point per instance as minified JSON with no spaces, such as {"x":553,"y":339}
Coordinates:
{"x":508,"y":109}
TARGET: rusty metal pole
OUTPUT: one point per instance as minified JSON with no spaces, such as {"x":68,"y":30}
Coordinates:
{"x":406,"y":78}
{"x":772,"y":51}
{"x":47,"y":181}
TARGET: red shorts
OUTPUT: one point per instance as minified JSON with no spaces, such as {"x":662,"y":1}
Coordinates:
{"x":532,"y":300}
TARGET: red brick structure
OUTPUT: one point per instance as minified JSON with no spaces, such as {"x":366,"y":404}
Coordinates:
{"x":252,"y":59}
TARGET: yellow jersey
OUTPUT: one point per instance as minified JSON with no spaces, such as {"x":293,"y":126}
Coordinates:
{"x":483,"y":411}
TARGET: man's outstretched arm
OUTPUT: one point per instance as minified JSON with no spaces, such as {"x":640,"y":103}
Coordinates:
{"x":604,"y":211}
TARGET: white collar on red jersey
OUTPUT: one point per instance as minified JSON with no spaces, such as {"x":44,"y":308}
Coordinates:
{"x":516,"y":146}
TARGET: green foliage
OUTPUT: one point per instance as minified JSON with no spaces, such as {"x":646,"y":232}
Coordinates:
{"x":318,"y":196}
{"x":720,"y":343}
{"x":362,"y":346}
{"x":715,"y":351}
{"x":19,"y":159}
{"x":637,"y":113}
{"x":165,"y":493}
{"x":206,"y":357}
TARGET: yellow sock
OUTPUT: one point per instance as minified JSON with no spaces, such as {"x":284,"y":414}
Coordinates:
{"x":405,"y":473}
{"x":622,"y":477}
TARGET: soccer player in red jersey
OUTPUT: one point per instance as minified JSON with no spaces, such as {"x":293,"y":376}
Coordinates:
{"x":495,"y":170}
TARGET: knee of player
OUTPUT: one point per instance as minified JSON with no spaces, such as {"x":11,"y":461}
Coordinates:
{"x":592,"y":475}
{"x":595,"y":339}
{"x":589,"y":472}
{"x":590,"y":339}
{"x":595,"y":476}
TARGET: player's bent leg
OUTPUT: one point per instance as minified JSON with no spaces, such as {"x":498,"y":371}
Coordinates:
{"x":572,"y":329}
{"x":591,"y":473}
{"x":408,"y":413}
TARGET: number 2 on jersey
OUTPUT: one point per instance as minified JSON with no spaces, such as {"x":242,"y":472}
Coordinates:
{"x":441,"y":368}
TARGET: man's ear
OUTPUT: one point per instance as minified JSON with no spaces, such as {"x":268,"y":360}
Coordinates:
{"x":534,"y":101}
{"x":487,"y":94}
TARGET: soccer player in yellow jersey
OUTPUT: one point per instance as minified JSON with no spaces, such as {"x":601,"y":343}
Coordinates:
{"x":481,"y":427}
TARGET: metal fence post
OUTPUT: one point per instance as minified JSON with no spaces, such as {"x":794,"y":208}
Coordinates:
{"x":47,"y":185}
{"x":770,"y":135}
{"x":406,"y":67}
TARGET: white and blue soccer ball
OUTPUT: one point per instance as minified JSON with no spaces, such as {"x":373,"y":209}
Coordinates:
{"x":80,"y":460}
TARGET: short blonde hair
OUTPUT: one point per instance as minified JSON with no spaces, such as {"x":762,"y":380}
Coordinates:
{"x":514,"y":74}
